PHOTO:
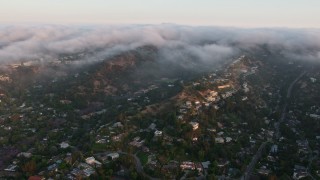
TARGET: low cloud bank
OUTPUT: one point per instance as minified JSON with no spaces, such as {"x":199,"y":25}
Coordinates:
{"x":174,"y":42}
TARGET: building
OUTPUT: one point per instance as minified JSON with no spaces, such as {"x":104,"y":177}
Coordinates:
{"x":228,"y":139}
{"x":158,"y":133}
{"x":113,"y":156}
{"x":64,"y":145}
{"x":195,"y":125}
{"x":117,"y":124}
{"x":222,"y":163}
{"x":188,"y":104}
{"x":219,"y":140}
{"x":223,"y":86}
{"x":92,"y":161}
{"x":313,"y":80}
{"x":24,"y":154}
{"x":11,"y":168}
{"x":187,"y":165}
{"x":274,"y":149}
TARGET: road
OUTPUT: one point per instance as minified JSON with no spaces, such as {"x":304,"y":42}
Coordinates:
{"x":138,"y":164}
{"x":284,"y":110}
{"x":293,"y":83}
{"x":254,"y":161}
{"x":258,"y":154}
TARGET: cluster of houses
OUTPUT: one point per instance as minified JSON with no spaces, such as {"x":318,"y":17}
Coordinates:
{"x":188,"y":165}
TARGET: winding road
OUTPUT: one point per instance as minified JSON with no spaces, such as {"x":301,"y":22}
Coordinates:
{"x":258,"y":154}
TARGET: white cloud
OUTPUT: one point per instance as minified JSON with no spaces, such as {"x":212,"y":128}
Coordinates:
{"x":205,"y":44}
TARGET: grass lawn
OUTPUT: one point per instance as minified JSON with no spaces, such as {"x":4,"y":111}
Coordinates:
{"x":99,"y":147}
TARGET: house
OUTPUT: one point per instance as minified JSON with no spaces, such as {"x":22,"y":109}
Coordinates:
{"x":299,"y":175}
{"x":152,"y":126}
{"x":117,"y":138}
{"x":245,"y":88}
{"x":206,"y":164}
{"x":86,"y":169}
{"x":196,"y":84}
{"x":271,"y":158}
{"x":92,"y":161}
{"x":68,"y":159}
{"x":219,"y":140}
{"x":274,"y":149}
{"x":11,"y":168}
{"x":136,"y":142}
{"x":158,"y":133}
{"x":101,"y":141}
{"x":53,"y":167}
{"x":113,"y":156}
{"x":188,"y":104}
{"x":315,"y":116}
{"x":213,"y":93}
{"x":228,"y":139}
{"x":195,"y":125}
{"x":220,"y":125}
{"x":187,"y":165}
{"x":145,"y":149}
{"x":299,"y":172}
{"x":222,"y":163}
{"x":220,"y":133}
{"x":198,"y":167}
{"x":313,"y":80}
{"x":136,"y":138}
{"x":64,"y":145}
{"x":117,"y":124}
{"x":223,"y":86}
{"x":264,"y":171}
{"x":65,"y":101}
{"x":212,"y":96}
{"x":24,"y":154}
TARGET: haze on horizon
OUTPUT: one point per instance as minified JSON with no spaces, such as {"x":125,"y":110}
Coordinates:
{"x":180,"y":28}
{"x":245,"y":13}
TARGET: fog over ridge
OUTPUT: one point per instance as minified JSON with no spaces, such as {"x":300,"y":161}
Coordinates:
{"x":207,"y":44}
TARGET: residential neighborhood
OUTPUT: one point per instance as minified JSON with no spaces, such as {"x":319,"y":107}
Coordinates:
{"x":232,"y":123}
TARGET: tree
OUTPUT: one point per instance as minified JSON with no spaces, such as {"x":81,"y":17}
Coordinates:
{"x":29,"y":167}
{"x":201,"y":154}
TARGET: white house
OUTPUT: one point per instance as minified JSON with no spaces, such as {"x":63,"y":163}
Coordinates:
{"x":117,"y":124}
{"x":313,"y":79}
{"x":113,"y":155}
{"x":24,"y":154}
{"x":219,"y":140}
{"x":228,"y":139}
{"x":92,"y":161}
{"x":188,"y":104}
{"x":64,"y":145}
{"x":158,"y":133}
{"x":11,"y":168}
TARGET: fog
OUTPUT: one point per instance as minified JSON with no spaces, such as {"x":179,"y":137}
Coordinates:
{"x":175,"y":43}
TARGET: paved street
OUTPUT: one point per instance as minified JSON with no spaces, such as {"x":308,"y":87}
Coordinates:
{"x":258,"y":154}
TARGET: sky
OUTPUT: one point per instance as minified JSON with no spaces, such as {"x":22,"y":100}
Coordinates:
{"x":238,"y":13}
